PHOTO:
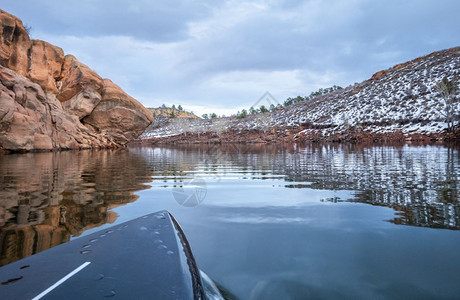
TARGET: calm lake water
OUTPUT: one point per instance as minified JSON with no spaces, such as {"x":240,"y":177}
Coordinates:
{"x":265,"y":222}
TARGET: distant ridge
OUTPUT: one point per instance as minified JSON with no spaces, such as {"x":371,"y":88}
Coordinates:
{"x":400,"y":103}
{"x":171,"y":113}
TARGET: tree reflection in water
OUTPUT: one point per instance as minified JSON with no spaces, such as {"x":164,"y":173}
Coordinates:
{"x":420,"y":182}
{"x":46,"y":198}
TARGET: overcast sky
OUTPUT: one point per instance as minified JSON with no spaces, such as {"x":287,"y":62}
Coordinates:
{"x":221,"y":56}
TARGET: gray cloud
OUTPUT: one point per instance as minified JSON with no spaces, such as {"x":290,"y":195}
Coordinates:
{"x":162,"y":21}
{"x":228,"y":54}
{"x":332,"y":34}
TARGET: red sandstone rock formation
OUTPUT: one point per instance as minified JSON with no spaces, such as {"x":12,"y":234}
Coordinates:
{"x":49,"y":101}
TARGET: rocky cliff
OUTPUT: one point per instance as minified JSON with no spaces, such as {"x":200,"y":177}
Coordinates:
{"x":52,"y":101}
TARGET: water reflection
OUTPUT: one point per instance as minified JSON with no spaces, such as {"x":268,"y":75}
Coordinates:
{"x":420,"y":182}
{"x":45,"y":198}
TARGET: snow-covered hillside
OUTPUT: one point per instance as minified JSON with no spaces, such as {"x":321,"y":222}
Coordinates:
{"x":401,"y":99}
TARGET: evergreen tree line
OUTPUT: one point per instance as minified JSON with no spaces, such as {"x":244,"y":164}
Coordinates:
{"x":320,"y":92}
{"x":263,"y":109}
{"x":289,"y":101}
{"x":179,"y":107}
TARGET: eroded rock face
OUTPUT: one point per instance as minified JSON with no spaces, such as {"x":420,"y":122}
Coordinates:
{"x":29,"y":120}
{"x":50,"y":101}
{"x":15,"y":43}
{"x":37,"y":60}
{"x":80,"y":88}
{"x":23,"y":114}
{"x":118,"y":115}
{"x":45,"y":63}
{"x":77,"y":77}
{"x":83,"y":103}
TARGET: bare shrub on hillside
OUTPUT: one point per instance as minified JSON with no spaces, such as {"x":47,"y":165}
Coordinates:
{"x":447,"y":89}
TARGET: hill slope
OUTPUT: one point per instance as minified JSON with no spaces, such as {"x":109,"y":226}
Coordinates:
{"x":401,"y":101}
{"x":170,"y":112}
{"x":163,"y":116}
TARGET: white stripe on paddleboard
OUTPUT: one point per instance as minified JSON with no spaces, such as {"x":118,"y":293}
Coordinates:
{"x":61,"y":281}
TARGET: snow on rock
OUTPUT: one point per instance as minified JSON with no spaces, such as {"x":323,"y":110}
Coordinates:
{"x":403,"y":99}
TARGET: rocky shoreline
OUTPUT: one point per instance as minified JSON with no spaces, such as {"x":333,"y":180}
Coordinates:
{"x":296,"y":135}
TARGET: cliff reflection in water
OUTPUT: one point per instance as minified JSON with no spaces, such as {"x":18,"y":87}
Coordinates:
{"x":45,"y":198}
